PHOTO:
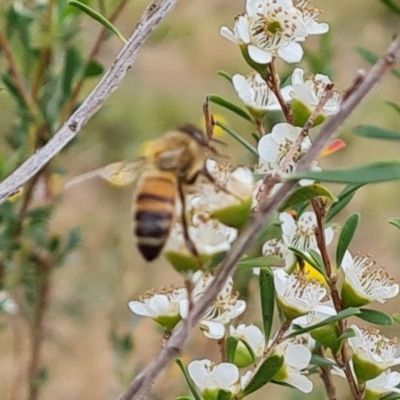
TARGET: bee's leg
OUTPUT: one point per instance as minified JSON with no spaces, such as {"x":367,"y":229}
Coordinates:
{"x":188,"y":241}
{"x":212,"y":180}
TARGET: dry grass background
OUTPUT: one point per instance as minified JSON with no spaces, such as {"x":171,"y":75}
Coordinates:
{"x":166,"y":87}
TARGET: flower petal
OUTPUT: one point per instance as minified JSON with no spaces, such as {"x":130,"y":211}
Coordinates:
{"x":291,"y":53}
{"x":258,"y":55}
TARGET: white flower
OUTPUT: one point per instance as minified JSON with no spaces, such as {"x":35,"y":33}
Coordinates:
{"x":275,"y":28}
{"x":254,"y":92}
{"x":166,"y":308}
{"x":209,"y":236}
{"x":274,"y":147}
{"x":252,"y":335}
{"x":296,"y":294}
{"x":297,"y":357}
{"x":301,"y":233}
{"x":324,"y":311}
{"x":239,"y":182}
{"x":309,"y":91}
{"x":386,"y":382}
{"x":270,"y":28}
{"x":7,"y":304}
{"x":367,"y":284}
{"x":225,"y":308}
{"x":310,"y":15}
{"x":372,"y":352}
{"x":210,"y":378}
{"x":276,"y":247}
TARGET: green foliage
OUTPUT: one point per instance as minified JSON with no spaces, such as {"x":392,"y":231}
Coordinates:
{"x":375,"y":317}
{"x":267,"y":295}
{"x":214,"y":98}
{"x":189,"y":381}
{"x":346,"y":235}
{"x":374,"y":132}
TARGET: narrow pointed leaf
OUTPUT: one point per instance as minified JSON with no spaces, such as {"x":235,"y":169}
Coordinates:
{"x":310,"y":261}
{"x":267,"y":294}
{"x":230,"y":345}
{"x":97,"y":17}
{"x":261,"y":262}
{"x":380,"y":171}
{"x":225,"y":75}
{"x":391,"y":396}
{"x":188,"y":379}
{"x":391,"y":5}
{"x":345,"y":196}
{"x":317,"y":259}
{"x":348,"y":333}
{"x":349,"y":312}
{"x":237,"y":137}
{"x":396,"y":318}
{"x":183,"y":398}
{"x":264,"y":374}
{"x":375,"y":317}
{"x":395,"y":222}
{"x":214,"y":98}
{"x":304,"y":193}
{"x":375,"y":132}
{"x":346,"y":235}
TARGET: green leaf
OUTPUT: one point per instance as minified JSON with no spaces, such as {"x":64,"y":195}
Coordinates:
{"x":375,"y":132}
{"x":267,"y":294}
{"x":237,"y":137}
{"x":375,"y":317}
{"x":231,"y":344}
{"x":371,"y":57}
{"x":236,"y":215}
{"x":188,"y":379}
{"x":93,"y":69}
{"x":349,"y":312}
{"x":304,"y":193}
{"x":391,"y":5}
{"x":347,"y":334}
{"x":261,"y":262}
{"x":380,"y":171}
{"x":346,"y":235}
{"x":74,"y":239}
{"x":316,"y":256}
{"x":391,"y":396}
{"x":345,"y":196}
{"x":264,"y":374}
{"x":393,"y":105}
{"x":321,"y":361}
{"x":225,"y":75}
{"x":183,"y":398}
{"x":72,"y":65}
{"x":97,"y":17}
{"x":395,"y":222}
{"x":214,"y":98}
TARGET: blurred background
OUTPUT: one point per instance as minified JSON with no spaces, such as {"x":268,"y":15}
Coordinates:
{"x":93,"y":344}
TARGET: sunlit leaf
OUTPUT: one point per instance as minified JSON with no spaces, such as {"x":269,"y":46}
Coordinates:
{"x":267,"y":294}
{"x":214,"y":98}
{"x":380,"y":171}
{"x":346,"y":235}
{"x":375,"y":132}
{"x":375,"y":317}
{"x":238,"y":138}
{"x":304,"y":193}
{"x":97,"y":17}
{"x":264,"y":374}
{"x":188,"y":379}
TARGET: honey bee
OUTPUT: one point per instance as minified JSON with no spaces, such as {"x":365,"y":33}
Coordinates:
{"x":169,"y":165}
{"x":174,"y":160}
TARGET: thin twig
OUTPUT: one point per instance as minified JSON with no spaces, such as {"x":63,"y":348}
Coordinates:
{"x":143,"y":382}
{"x":326,"y":377}
{"x":272,"y":80}
{"x":151,"y":17}
{"x":277,"y":339}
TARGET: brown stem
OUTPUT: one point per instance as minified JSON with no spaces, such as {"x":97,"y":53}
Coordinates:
{"x":344,"y":360}
{"x":277,"y":340}
{"x":222,"y":349}
{"x":326,"y":377}
{"x":45,"y":267}
{"x":272,"y":80}
{"x":92,"y":55}
{"x":260,"y":126}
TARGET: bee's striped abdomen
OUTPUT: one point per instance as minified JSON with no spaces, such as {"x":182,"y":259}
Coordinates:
{"x":154,"y":214}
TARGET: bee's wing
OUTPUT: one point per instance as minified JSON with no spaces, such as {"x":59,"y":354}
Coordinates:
{"x":119,"y":173}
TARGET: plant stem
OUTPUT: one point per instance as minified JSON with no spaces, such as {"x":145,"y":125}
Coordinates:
{"x":326,"y":377}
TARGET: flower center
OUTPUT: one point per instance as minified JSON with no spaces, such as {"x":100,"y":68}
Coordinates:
{"x":299,"y":287}
{"x":379,"y":344}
